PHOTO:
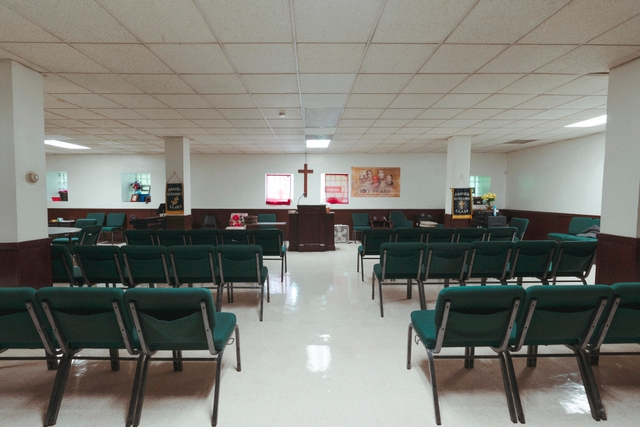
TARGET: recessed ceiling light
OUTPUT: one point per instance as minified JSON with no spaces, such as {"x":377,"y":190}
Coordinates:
{"x":66,"y":145}
{"x":318,"y":143}
{"x":589,"y":123}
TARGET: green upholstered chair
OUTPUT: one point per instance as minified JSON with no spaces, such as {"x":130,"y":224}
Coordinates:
{"x":489,"y":260}
{"x":178,"y":320}
{"x":360,"y":222}
{"x":243,"y":264}
{"x":98,"y":216}
{"x":273,"y":247}
{"x":203,"y":236}
{"x":85,"y":318}
{"x":196,"y":264}
{"x":440,"y":234}
{"x":576,"y":226}
{"x":573,"y":260}
{"x":406,"y":234}
{"x":171,"y":237}
{"x":89,"y":235}
{"x":370,"y":248}
{"x":147,"y":264}
{"x":62,"y":268}
{"x":140,"y":237}
{"x":398,"y":219}
{"x":564,"y":315}
{"x":501,"y":234}
{"x":521,"y":224}
{"x":399,"y":261}
{"x":101,"y":264}
{"x":468,"y":234}
{"x":234,"y":237}
{"x":115,"y":222}
{"x":73,"y":240}
{"x":446,"y":261}
{"x":471,"y":317}
{"x":267,"y":218}
{"x":532,"y":258}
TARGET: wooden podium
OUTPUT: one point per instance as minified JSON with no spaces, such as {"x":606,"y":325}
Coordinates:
{"x":311,"y":229}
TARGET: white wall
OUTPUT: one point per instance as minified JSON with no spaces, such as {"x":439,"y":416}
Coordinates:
{"x":237,"y":181}
{"x":563,"y":177}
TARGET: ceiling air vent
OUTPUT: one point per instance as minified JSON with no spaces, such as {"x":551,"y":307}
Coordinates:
{"x":520,"y":141}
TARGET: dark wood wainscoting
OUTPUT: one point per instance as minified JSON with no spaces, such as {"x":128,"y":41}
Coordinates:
{"x":618,"y":259}
{"x":26,"y":264}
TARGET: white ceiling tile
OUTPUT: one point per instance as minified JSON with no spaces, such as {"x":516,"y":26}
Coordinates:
{"x":329,"y":58}
{"x":424,"y":124}
{"x":118,"y":113}
{"x":54,"y":57}
{"x":464,"y":58}
{"x":585,"y":85}
{"x":362,"y":113}
{"x":490,"y":124}
{"x":156,"y":113}
{"x":283,"y":100}
{"x":547,"y":101}
{"x":68,"y":123}
{"x":458,"y":123}
{"x":88,"y":100}
{"x":589,"y":59}
{"x":229,"y":101}
{"x":343,"y":21}
{"x":75,"y":21}
{"x":239,"y":123}
{"x":57,"y":84}
{"x":503,"y":21}
{"x":21,"y":60}
{"x":537,"y":83}
{"x":326,"y":83}
{"x":158,"y":83}
{"x":262,"y":58}
{"x":15,"y":28}
{"x":289,"y":113}
{"x":396,"y":58}
{"x":124,"y":58}
{"x":626,"y":33}
{"x":353,"y":123}
{"x":401,"y":113}
{"x":503,"y":101}
{"x":247,"y":21}
{"x":141,"y":123}
{"x":213,"y":123}
{"x":440,"y":113}
{"x":136,"y":101}
{"x":459,"y":100}
{"x":479,"y":113}
{"x":73,"y":113}
{"x":192,"y":113}
{"x":434,"y":83}
{"x":586,"y":102}
{"x":193,"y":58}
{"x":162,"y":21}
{"x":380,"y":83}
{"x":390,"y":123}
{"x":104,"y":123}
{"x":278,"y":124}
{"x":582,"y":20}
{"x":215,"y":83}
{"x":271,"y":83}
{"x":407,"y":21}
{"x":317,"y":100}
{"x":409,"y":100}
{"x":102,"y":83}
{"x":240,"y":113}
{"x":182,"y":101}
{"x":552,"y":114}
{"x":361,"y":100}
{"x":525,"y":58}
{"x":486,"y":83}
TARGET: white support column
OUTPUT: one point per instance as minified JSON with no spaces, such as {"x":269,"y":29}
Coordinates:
{"x":458,"y":166}
{"x":177,"y":160}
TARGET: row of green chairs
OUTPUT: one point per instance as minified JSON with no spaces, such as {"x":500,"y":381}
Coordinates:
{"x":507,"y":318}
{"x":88,"y":234}
{"x":271,"y":240}
{"x":545,"y":260}
{"x":64,"y":321}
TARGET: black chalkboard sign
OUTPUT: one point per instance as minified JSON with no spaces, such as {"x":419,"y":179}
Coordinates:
{"x":462,"y":208}
{"x":174,"y":199}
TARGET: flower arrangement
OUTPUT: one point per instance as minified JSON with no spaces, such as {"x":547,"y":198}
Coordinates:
{"x":136,"y":185}
{"x":488,"y":199}
{"x":236,"y":220}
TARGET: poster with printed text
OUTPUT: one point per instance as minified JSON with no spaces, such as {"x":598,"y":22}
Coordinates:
{"x":375,"y":182}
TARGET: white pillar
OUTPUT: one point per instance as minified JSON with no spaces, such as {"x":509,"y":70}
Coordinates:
{"x":458,"y":166}
{"x":177,"y":165}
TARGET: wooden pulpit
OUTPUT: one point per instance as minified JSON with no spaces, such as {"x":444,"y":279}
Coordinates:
{"x":311,"y":229}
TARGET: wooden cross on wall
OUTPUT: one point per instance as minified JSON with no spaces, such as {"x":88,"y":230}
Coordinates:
{"x":306,"y":172}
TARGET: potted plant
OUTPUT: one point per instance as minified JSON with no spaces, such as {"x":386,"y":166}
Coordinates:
{"x":488,"y":199}
{"x":64,"y":195}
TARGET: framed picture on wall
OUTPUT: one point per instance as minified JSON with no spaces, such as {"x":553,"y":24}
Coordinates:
{"x":134,"y":198}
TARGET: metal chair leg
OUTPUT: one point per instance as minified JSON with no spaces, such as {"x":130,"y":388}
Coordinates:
{"x":434,"y":387}
{"x":514,"y":386}
{"x":410,"y":335}
{"x":238,"y":361}
{"x":216,"y":393}
{"x":381,"y":303}
{"x":58,"y":390}
{"x":115,"y":359}
{"x":409,"y":288}
{"x":469,"y":352}
{"x":532,"y":360}
{"x":177,"y":360}
{"x":143,"y":385}
{"x":591,"y":388}
{"x":135,"y":391}
{"x":507,"y":388}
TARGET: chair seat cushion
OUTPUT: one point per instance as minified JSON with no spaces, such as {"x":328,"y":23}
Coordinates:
{"x":64,"y":241}
{"x":425,"y":326}
{"x":108,"y":229}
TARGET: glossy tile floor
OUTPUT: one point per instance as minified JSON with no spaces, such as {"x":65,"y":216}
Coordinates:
{"x":323,"y":356}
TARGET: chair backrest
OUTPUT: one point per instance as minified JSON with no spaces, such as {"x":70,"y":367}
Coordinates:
{"x":372,"y":240}
{"x":147,"y":264}
{"x":270,"y":240}
{"x":98,"y":216}
{"x":406,"y":234}
{"x":239,"y":263}
{"x":85,"y":222}
{"x":210,"y":221}
{"x":18,"y":323}
{"x":560,"y":314}
{"x":402,"y":260}
{"x":61,"y":265}
{"x":476,"y":316}
{"x":89,"y":235}
{"x":360,"y":219}
{"x":446,"y":260}
{"x":140,"y":237}
{"x":521,"y":224}
{"x":88,"y":317}
{"x":101,"y":264}
{"x":202,"y":236}
{"x":468,"y":235}
{"x":578,"y":224}
{"x":171,"y":237}
{"x":399,"y":219}
{"x":501,"y":234}
{"x":174,"y":319}
{"x":193,"y":264}
{"x":595,"y":221}
{"x":490,"y":259}
{"x":270,"y":217}
{"x":115,"y":219}
{"x":623,"y":319}
{"x":532,"y":258}
{"x":574,"y":259}
{"x":234,"y":237}
{"x":440,"y":235}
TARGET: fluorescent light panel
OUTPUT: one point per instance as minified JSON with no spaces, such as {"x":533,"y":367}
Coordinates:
{"x":589,"y":123}
{"x":318,"y":143}
{"x":66,"y":145}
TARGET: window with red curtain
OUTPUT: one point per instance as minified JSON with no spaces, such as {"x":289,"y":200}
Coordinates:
{"x":278,"y":189}
{"x":336,"y":188}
